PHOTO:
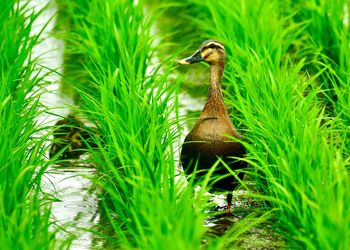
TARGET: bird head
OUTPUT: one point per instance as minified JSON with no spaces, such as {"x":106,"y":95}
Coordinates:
{"x":211,"y":51}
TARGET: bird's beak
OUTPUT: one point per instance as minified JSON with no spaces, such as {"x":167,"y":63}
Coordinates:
{"x":196,"y":57}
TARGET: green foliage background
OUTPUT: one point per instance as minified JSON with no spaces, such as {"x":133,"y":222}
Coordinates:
{"x":286,"y":86}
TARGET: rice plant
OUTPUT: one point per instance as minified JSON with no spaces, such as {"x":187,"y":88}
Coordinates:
{"x":24,"y":216}
{"x":283,"y":73}
{"x":142,"y":204}
{"x":293,"y":144}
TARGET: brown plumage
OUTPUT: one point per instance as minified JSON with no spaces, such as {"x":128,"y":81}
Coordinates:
{"x":71,"y":137}
{"x":210,"y":137}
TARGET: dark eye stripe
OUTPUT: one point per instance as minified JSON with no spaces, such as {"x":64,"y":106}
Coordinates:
{"x":212,"y":46}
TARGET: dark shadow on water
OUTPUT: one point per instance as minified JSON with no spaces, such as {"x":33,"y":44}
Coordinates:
{"x":261,"y":236}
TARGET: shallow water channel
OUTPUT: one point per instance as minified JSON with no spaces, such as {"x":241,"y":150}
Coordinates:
{"x":76,"y":207}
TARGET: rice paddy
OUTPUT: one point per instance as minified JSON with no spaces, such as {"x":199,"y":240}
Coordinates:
{"x":286,"y":87}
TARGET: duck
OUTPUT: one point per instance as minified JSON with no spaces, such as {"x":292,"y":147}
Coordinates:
{"x":71,"y":137}
{"x":212,"y":136}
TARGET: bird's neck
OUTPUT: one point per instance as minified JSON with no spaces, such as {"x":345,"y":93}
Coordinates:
{"x":214,"y":105}
{"x":216,"y":72}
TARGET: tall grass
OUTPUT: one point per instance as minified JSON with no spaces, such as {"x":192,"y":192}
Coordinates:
{"x":24,"y":217}
{"x":292,"y":144}
{"x":281,"y":74}
{"x":142,"y":204}
{"x":326,"y":39}
{"x":329,"y":35}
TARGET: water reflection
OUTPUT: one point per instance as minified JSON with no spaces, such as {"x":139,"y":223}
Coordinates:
{"x":260,"y":236}
{"x":76,"y":205}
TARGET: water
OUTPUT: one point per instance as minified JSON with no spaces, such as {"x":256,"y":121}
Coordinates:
{"x":259,"y":236}
{"x":76,"y":207}
{"x":77,"y":201}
